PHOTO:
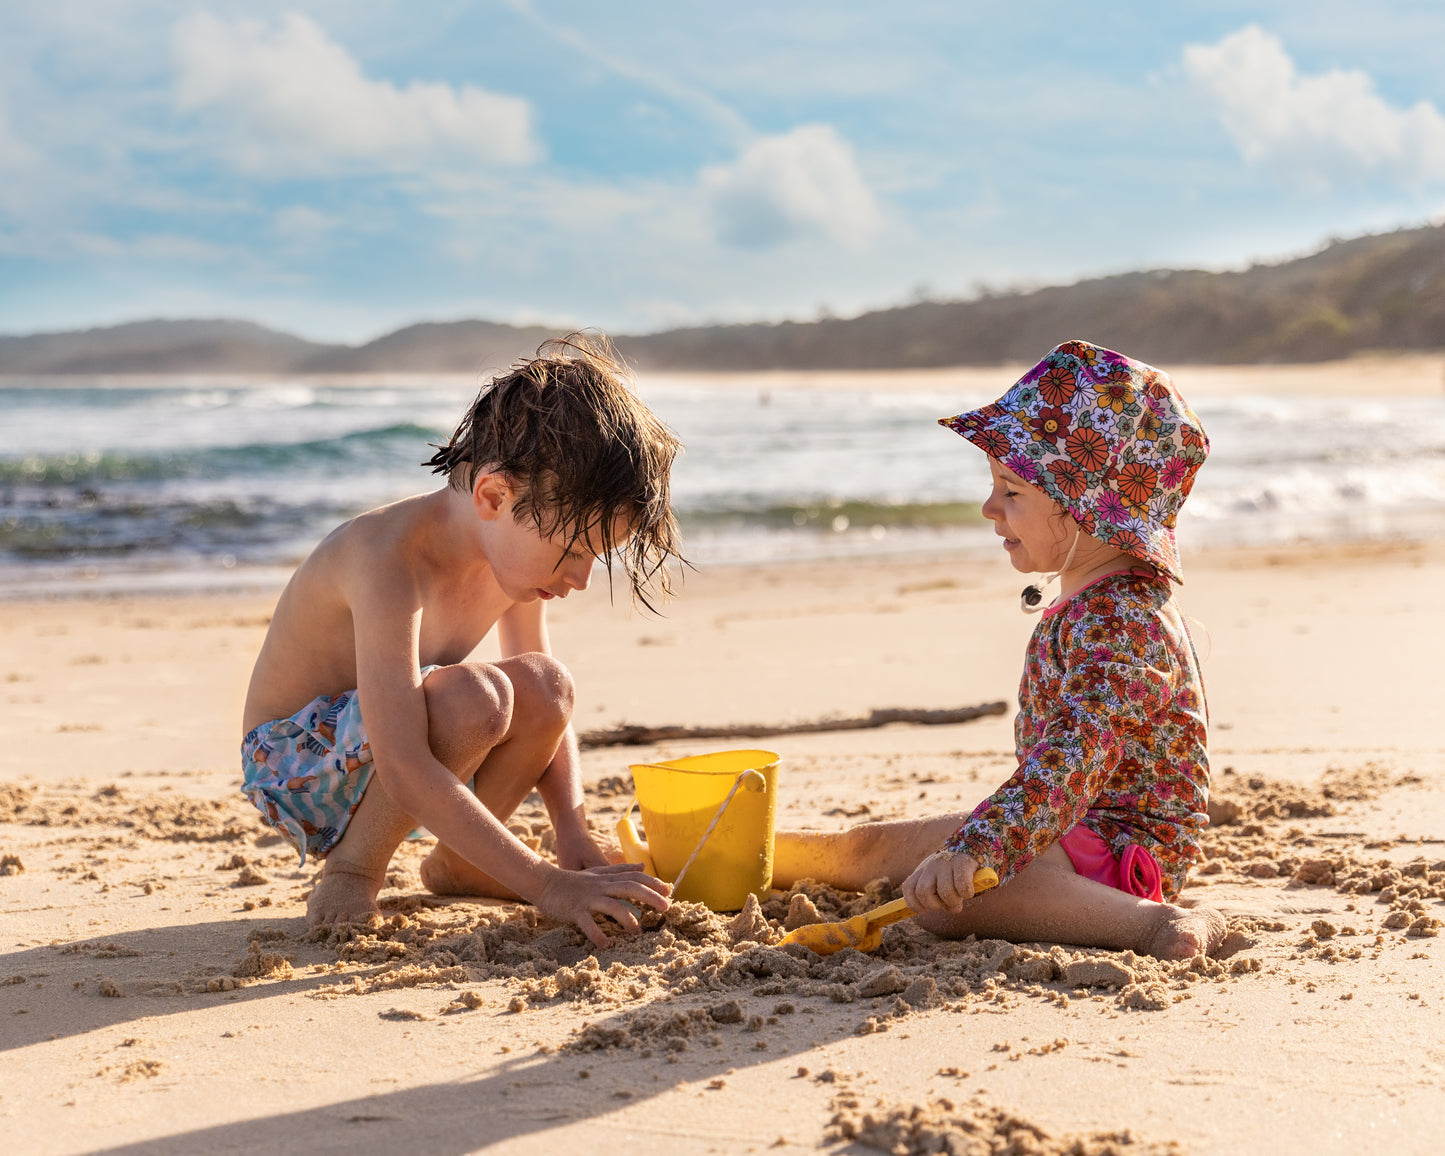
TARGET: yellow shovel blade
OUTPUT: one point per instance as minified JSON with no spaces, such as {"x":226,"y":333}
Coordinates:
{"x":865,"y":932}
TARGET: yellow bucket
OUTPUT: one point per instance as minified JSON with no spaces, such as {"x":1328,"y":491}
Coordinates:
{"x":680,"y":799}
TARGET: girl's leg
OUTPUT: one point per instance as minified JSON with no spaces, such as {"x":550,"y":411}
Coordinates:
{"x":1049,"y":902}
{"x":853,"y":858}
{"x":493,"y":721}
{"x":1045,"y":902}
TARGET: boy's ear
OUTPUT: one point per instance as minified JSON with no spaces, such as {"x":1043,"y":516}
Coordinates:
{"x":491,"y":494}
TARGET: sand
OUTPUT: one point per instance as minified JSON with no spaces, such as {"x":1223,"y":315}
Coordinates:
{"x":160,"y":992}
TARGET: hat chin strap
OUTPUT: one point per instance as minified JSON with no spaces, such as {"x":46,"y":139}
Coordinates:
{"x":1032,"y":599}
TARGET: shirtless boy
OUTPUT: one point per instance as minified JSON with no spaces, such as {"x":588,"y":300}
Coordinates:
{"x":364,"y":716}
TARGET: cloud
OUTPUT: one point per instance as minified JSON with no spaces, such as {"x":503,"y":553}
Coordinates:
{"x":1317,"y":127}
{"x":302,"y":229}
{"x":164,"y":247}
{"x":294,"y":103}
{"x":16,"y":157}
{"x":650,"y":75}
{"x":801,"y":183}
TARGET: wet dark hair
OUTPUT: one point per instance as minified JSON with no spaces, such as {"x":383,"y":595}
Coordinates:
{"x":580,"y":450}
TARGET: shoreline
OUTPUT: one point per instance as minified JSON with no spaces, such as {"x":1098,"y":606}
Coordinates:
{"x":1393,"y":375}
{"x":1404,"y":374}
{"x":84,"y":583}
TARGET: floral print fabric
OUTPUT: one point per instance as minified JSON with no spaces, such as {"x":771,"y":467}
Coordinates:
{"x":1111,"y":733}
{"x":1108,"y":438}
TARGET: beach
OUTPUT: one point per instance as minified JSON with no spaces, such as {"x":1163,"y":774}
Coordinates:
{"x":160,"y":993}
{"x":936,"y":452}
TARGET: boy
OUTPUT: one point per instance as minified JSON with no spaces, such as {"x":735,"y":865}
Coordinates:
{"x":364,"y":716}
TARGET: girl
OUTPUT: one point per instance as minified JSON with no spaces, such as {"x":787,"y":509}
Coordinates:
{"x":1092,"y":455}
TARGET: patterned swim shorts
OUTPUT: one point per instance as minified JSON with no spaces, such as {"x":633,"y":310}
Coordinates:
{"x":306,"y":774}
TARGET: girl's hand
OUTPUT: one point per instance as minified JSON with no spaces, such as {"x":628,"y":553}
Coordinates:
{"x":941,"y":882}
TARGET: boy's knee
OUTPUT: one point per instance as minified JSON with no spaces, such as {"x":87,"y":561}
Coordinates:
{"x":543,"y":687}
{"x":475,"y":696}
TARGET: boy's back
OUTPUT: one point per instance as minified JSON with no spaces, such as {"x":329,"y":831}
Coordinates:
{"x":363,"y":716}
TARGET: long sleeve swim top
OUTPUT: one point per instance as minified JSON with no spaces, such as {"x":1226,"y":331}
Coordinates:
{"x":1111,"y":732}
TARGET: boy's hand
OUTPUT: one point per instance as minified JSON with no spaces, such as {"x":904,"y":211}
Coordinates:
{"x":577,"y":850}
{"x":941,"y":882}
{"x":577,"y":896}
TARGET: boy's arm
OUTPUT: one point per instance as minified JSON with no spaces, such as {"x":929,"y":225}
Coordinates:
{"x":386,"y":616}
{"x":522,"y":629}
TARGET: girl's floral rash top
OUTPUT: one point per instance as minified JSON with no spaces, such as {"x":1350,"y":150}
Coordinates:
{"x":1111,"y":733}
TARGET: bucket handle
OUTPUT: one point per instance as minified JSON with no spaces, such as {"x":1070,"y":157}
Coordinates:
{"x":752,"y":779}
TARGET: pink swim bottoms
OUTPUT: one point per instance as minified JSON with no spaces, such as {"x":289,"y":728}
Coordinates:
{"x":1135,"y":872}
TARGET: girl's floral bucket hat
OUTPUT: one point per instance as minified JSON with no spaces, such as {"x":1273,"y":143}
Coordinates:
{"x":1108,"y":438}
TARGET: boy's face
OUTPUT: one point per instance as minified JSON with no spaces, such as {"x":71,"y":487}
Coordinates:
{"x":1026,"y":518}
{"x":528,"y":565}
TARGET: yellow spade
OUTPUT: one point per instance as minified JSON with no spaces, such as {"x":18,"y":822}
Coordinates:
{"x":865,"y":932}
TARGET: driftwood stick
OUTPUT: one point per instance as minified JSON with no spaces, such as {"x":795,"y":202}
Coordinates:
{"x":628,"y":735}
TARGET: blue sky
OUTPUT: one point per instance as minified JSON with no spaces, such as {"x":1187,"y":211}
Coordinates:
{"x":339,"y":169}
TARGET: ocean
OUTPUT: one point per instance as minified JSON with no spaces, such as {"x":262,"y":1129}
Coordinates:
{"x":194,"y":483}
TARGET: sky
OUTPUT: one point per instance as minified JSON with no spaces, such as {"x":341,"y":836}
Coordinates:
{"x":338,"y":170}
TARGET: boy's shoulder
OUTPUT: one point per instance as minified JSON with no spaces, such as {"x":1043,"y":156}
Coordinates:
{"x":400,"y":528}
{"x":384,"y":546}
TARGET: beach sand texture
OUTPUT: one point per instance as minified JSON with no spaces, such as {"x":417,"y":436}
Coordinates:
{"x":159,"y":991}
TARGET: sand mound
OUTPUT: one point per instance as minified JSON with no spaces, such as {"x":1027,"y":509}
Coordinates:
{"x":1248,"y":839}
{"x":1246,"y":797}
{"x":661,"y":989}
{"x":709,"y":961}
{"x":712,"y":958}
{"x":972,"y":1129}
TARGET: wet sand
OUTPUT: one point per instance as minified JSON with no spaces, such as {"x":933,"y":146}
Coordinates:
{"x":159,"y":991}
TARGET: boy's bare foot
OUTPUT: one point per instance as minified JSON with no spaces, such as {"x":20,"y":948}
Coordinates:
{"x":342,"y":895}
{"x":1181,"y":933}
{"x":443,"y":872}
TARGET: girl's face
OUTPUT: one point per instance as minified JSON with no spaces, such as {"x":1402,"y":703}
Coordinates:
{"x":1028,"y":520}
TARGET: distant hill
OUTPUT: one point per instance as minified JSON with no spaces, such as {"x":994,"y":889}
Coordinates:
{"x":436,"y":347}
{"x":1374,"y":293}
{"x":1384,"y":292}
{"x":160,"y":347}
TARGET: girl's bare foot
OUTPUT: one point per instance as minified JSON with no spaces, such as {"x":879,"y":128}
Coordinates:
{"x":342,"y":895}
{"x":1182,"y":933}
